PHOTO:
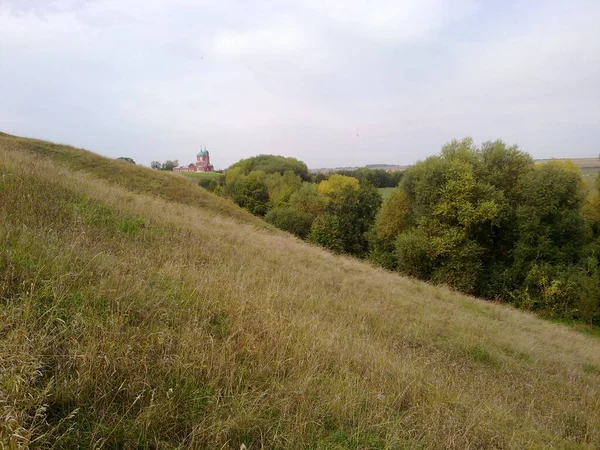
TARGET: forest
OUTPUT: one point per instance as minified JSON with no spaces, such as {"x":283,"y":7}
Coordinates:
{"x":485,"y":220}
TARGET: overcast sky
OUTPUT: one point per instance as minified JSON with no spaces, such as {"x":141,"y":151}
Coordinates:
{"x":331,"y":82}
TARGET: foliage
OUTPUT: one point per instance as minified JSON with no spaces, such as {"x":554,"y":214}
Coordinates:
{"x":272,"y":164}
{"x":450,"y":206}
{"x":126,"y":159}
{"x":381,"y":252}
{"x":309,"y":200}
{"x":281,"y":187}
{"x":212,"y":183}
{"x":336,"y":184}
{"x":353,"y":209}
{"x":290,"y":220}
{"x":550,"y":221}
{"x":326,"y":232}
{"x":168,"y":165}
{"x":393,"y":216}
{"x":488,"y":221}
{"x":377,"y":177}
{"x":248,"y":191}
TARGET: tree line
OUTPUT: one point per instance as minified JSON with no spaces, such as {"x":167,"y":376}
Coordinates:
{"x":485,"y":220}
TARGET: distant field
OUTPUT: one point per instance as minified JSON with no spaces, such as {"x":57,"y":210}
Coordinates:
{"x":385,"y":192}
{"x":589,"y":175}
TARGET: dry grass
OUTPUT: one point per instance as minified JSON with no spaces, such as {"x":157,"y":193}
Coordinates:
{"x":128,"y":320}
{"x":167,"y":185}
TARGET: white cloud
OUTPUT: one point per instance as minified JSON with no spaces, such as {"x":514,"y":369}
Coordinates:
{"x":394,"y":20}
{"x":279,"y":37}
{"x":301,"y":78}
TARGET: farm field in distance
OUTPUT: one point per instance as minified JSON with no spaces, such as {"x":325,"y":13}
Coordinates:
{"x":386,"y":192}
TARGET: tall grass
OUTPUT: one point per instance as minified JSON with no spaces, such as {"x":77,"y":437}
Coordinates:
{"x":130,"y":319}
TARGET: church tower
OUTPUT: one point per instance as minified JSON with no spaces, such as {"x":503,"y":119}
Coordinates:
{"x":203,"y":161}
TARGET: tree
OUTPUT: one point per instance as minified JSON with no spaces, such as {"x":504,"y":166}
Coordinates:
{"x":326,"y":232}
{"x":549,"y":217}
{"x":170,"y":164}
{"x":449,"y":205}
{"x":393,"y":216}
{"x":377,"y":177}
{"x":156,"y":165}
{"x":350,"y":215}
{"x":290,"y":220}
{"x":309,"y":200}
{"x":337,"y":183}
{"x":212,"y":183}
{"x":272,"y":164}
{"x":126,"y":159}
{"x":248,"y":191}
{"x":281,"y":187}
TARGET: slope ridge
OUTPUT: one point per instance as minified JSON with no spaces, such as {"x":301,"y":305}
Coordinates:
{"x":129,"y":320}
{"x":166,"y":185}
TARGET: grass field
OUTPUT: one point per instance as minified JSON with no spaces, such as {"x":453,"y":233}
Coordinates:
{"x":385,"y":192}
{"x":589,"y":175}
{"x":200,"y":175}
{"x":139,"y":311}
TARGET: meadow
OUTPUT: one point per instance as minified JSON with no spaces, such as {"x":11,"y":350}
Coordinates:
{"x":140,"y":311}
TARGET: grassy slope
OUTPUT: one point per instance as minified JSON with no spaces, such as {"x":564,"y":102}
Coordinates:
{"x":130,"y":320}
{"x":166,"y":185}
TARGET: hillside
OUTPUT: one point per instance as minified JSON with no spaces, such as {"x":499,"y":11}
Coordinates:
{"x":139,"y":311}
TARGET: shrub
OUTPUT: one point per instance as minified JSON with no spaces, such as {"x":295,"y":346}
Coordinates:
{"x":325,"y":231}
{"x":290,"y":220}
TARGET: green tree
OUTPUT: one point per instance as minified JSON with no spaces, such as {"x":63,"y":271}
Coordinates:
{"x":169,"y":164}
{"x":450,"y":206}
{"x":290,"y":220}
{"x":248,"y":191}
{"x":281,"y":187}
{"x":326,"y":232}
{"x":272,"y":164}
{"x":351,"y":214}
{"x":212,"y":183}
{"x":309,"y":200}
{"x":550,"y":220}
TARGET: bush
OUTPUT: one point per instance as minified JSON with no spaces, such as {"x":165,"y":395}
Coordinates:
{"x":325,"y":231}
{"x":211,"y":183}
{"x":290,"y":220}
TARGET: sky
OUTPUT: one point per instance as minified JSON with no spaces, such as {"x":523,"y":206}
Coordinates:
{"x":334,"y":83}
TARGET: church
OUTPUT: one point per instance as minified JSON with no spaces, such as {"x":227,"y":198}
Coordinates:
{"x":202,"y":164}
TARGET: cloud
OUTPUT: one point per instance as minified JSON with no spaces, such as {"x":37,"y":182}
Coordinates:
{"x":390,"y":20}
{"x":157,"y":78}
{"x":280,"y":37}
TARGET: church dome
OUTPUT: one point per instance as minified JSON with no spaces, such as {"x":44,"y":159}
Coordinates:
{"x":202,"y":153}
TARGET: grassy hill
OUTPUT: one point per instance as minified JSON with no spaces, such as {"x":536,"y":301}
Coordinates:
{"x":139,"y":311}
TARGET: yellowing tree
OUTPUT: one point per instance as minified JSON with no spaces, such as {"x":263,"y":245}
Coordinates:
{"x":336,"y":184}
{"x":393,"y":216}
